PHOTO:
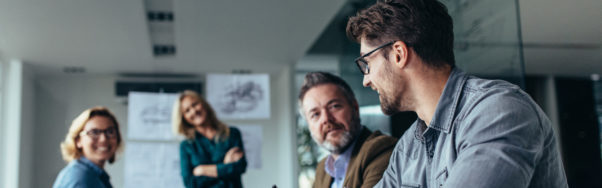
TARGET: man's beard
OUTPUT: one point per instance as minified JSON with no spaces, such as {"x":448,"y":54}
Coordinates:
{"x":391,"y":102}
{"x":389,"y":106}
{"x":345,"y":140}
{"x":334,"y":148}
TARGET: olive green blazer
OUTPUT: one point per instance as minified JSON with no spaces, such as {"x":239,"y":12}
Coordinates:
{"x":369,"y":160}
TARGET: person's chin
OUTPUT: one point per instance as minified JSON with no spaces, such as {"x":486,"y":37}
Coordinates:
{"x":334,"y":135}
{"x":331,"y":146}
{"x":104,"y":155}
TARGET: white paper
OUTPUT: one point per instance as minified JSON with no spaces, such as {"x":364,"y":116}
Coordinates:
{"x":149,"y":116}
{"x":251,"y":137}
{"x":150,"y":165}
{"x":239,"y":96}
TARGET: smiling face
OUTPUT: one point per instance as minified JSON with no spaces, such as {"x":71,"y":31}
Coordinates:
{"x":192,"y":111}
{"x":98,"y":140}
{"x":333,"y":121}
{"x":386,"y":80}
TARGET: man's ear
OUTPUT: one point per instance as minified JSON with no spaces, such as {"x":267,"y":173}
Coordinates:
{"x":400,"y":54}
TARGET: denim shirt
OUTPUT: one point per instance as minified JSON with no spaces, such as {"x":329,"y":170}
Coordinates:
{"x":484,"y":133}
{"x":82,"y":173}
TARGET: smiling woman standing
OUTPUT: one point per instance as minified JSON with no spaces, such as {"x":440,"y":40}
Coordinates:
{"x":92,"y":140}
{"x":212,"y":154}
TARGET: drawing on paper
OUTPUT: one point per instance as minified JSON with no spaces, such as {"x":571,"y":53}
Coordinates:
{"x":241,"y":97}
{"x":149,"y":115}
{"x":235,"y":96}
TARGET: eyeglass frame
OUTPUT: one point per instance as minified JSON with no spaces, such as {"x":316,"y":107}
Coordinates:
{"x":103,"y":131}
{"x":360,"y":60}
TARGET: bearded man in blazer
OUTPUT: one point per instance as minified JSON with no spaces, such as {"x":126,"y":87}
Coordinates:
{"x":358,"y":157}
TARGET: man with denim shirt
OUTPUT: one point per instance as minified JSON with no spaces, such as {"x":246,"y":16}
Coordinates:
{"x":470,"y":132}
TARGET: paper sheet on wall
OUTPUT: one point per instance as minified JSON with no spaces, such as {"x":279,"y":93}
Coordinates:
{"x":239,"y":96}
{"x":149,"y":116}
{"x":152,"y":165}
{"x":251,"y":137}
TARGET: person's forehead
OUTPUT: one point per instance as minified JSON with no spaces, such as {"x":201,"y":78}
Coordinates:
{"x":98,"y":122}
{"x":188,"y":100}
{"x":322,"y":94}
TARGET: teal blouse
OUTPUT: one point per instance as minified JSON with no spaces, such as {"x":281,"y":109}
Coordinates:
{"x":200,"y":150}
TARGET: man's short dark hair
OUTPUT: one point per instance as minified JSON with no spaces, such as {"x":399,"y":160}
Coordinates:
{"x":314,"y":79}
{"x":423,"y":25}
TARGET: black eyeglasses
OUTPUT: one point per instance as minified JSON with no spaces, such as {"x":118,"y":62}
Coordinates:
{"x":95,"y":133}
{"x":361,"y":62}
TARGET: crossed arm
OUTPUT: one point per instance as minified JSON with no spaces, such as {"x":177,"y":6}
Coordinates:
{"x":210,"y":170}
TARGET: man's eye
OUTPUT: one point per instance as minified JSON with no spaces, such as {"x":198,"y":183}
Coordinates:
{"x":336,"y":106}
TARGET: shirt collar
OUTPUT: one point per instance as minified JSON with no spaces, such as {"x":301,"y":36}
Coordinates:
{"x":94,"y":167}
{"x":337,"y":168}
{"x":448,"y":101}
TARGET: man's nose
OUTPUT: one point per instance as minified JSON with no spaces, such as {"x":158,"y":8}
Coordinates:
{"x":366,"y":82}
{"x":326,"y":118}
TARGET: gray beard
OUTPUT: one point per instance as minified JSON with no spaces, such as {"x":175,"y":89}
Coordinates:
{"x":334,"y":148}
{"x":347,"y":138}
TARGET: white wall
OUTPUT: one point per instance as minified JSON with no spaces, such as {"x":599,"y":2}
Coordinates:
{"x":27,"y":126}
{"x":2,"y":122}
{"x":17,"y":113}
{"x":11,"y":120}
{"x":60,"y":98}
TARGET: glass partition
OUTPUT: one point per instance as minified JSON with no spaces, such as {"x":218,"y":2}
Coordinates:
{"x":487,"y":38}
{"x":598,"y":99}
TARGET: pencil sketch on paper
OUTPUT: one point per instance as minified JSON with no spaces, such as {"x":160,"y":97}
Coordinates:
{"x":149,"y":115}
{"x":152,"y":164}
{"x":252,"y":138}
{"x":239,"y":96}
{"x":155,"y":114}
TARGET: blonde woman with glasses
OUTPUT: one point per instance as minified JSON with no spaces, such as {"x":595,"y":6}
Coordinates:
{"x":92,"y":140}
{"x":212,"y":154}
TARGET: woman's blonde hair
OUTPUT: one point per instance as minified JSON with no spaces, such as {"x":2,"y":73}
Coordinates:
{"x":69,"y":149}
{"x":182,"y":127}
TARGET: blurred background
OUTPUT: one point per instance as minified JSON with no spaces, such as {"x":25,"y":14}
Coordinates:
{"x":59,"y":57}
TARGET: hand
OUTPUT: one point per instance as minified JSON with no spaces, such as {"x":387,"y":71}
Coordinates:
{"x":205,"y":170}
{"x":233,"y":155}
{"x":198,"y":170}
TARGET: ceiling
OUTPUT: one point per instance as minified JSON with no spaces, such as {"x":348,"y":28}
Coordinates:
{"x":110,"y":36}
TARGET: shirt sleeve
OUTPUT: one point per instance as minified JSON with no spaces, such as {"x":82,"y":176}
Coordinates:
{"x":186,"y":169}
{"x":499,"y":143}
{"x":390,"y":175}
{"x":235,"y":169}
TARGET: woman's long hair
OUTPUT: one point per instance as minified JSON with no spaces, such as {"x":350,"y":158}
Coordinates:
{"x":182,"y":127}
